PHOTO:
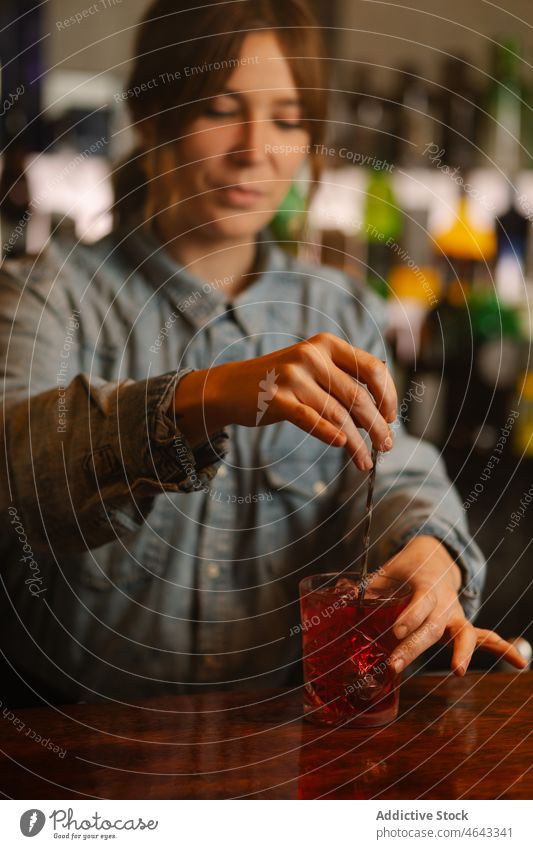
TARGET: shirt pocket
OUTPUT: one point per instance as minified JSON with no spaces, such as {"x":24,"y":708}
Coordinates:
{"x":304,"y":482}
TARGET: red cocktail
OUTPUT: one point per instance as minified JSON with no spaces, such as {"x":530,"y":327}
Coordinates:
{"x":346,"y":646}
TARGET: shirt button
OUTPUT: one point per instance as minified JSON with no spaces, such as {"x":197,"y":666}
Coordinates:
{"x":319,"y":487}
{"x":213,"y":570}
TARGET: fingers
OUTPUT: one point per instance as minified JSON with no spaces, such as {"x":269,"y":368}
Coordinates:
{"x":465,"y":638}
{"x":352,"y":394}
{"x":310,"y":372}
{"x":464,"y":643}
{"x":418,"y":627}
{"x":490,"y":641}
{"x":417,"y":642}
{"x":308,"y":419}
{"x":356,"y":399}
{"x":415,"y":614}
{"x":368,"y":370}
{"x":332,"y":410}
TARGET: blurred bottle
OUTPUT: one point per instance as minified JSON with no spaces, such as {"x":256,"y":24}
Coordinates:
{"x":414,"y":126}
{"x":504,"y":126}
{"x":527,"y":115}
{"x":472,"y":339}
{"x":512,"y":233}
{"x":414,"y":274}
{"x":466,"y":248}
{"x":523,"y":429}
{"x":289,"y":222}
{"x":372,"y":119}
{"x":414,"y":284}
{"x":383,"y":221}
{"x":459,"y":114}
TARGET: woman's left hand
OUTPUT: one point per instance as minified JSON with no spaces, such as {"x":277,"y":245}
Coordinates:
{"x":434,"y":612}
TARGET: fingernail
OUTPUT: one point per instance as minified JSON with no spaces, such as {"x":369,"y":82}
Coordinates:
{"x":367,"y":463}
{"x":387,"y":445}
{"x":400,"y":631}
{"x":398,"y":664}
{"x":461,"y":671}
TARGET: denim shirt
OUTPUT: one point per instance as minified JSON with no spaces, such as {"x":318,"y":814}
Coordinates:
{"x":136,"y":562}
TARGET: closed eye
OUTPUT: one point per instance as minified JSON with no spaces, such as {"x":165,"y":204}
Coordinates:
{"x":289,"y":125}
{"x":280,"y":122}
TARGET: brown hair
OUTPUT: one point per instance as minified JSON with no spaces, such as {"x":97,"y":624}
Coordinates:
{"x":172,"y":38}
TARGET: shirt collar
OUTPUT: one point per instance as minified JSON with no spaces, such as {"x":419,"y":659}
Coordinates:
{"x":200,"y":301}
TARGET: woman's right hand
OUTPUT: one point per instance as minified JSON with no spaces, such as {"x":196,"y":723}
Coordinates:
{"x":323,"y":385}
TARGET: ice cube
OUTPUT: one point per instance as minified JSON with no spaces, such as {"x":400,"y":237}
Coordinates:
{"x":313,"y":697}
{"x":371,"y":673}
{"x":346,"y":588}
{"x":344,"y":584}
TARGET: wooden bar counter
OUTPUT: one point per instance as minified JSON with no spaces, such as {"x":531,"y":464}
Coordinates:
{"x":454,"y":739}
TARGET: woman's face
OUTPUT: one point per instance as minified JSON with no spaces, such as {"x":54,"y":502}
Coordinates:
{"x":238,"y":159}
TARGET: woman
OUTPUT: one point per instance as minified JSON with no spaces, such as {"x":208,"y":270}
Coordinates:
{"x":183,"y":432}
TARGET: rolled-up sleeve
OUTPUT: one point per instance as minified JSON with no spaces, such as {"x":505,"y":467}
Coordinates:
{"x":85,"y":479}
{"x":142,"y":436}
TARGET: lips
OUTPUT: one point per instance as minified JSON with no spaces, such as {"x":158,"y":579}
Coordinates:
{"x":239,"y":194}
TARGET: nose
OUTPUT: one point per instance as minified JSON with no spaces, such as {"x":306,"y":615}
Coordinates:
{"x":252,"y":141}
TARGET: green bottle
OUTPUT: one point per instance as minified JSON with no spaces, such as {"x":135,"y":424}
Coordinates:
{"x":505,"y":123}
{"x":383,"y":224}
{"x":289,"y":222}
